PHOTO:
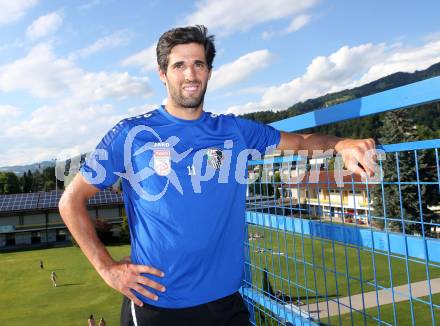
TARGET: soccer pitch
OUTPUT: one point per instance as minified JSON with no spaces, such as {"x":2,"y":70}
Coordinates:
{"x":325,"y":268}
{"x":27,"y":296}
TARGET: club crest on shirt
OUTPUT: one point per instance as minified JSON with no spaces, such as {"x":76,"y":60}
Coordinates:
{"x":162,"y":161}
{"x":215,"y":157}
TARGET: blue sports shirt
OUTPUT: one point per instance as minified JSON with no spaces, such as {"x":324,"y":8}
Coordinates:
{"x":184,"y":189}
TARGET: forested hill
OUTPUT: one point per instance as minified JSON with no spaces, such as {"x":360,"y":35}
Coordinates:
{"x":427,"y":116}
{"x":20,"y":169}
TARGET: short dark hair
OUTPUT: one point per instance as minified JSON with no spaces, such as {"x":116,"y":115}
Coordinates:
{"x":184,"y":35}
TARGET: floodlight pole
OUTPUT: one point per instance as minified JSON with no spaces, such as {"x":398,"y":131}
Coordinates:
{"x":55,"y":173}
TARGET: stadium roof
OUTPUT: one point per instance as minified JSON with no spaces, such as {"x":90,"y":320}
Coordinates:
{"x":49,"y":200}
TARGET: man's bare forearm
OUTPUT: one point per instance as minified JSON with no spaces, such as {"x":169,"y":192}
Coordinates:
{"x":308,"y":142}
{"x":76,"y":217}
{"x":353,"y":151}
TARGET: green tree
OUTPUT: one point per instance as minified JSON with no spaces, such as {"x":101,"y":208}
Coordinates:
{"x":9,"y":183}
{"x":2,"y":182}
{"x":124,"y":236}
{"x":27,"y":182}
{"x":37,"y":181}
{"x":404,"y":202}
{"x":30,"y":180}
{"x":13,"y":183}
{"x":263,"y":185}
{"x":48,"y":176}
{"x":49,"y":185}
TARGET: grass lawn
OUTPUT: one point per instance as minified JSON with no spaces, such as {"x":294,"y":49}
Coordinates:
{"x":27,"y":296}
{"x":312,"y":268}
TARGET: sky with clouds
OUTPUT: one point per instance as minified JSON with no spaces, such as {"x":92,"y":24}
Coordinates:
{"x":70,"y":70}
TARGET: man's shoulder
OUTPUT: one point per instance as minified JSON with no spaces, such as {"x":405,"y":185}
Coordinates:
{"x":122,"y":128}
{"x":144,"y":118}
{"x":227,"y":116}
{"x":220,"y":116}
{"x":126,"y":124}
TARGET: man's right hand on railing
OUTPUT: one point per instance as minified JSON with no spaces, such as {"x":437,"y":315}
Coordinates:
{"x":358,"y":155}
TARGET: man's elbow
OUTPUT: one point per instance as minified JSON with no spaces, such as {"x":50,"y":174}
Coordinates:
{"x":68,"y":203}
{"x":63,"y":205}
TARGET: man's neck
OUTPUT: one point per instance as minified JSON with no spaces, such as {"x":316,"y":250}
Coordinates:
{"x":184,"y":113}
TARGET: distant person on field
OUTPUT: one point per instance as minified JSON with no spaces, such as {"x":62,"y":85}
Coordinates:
{"x":91,"y":321}
{"x":101,"y":322}
{"x":53,"y":278}
{"x":41,"y":264}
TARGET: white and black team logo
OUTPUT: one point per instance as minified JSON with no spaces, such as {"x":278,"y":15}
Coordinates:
{"x":215,"y":157}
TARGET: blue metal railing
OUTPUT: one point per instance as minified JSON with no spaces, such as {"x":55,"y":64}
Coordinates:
{"x":322,"y":252}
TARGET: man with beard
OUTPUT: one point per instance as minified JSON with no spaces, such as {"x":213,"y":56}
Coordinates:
{"x":187,"y":238}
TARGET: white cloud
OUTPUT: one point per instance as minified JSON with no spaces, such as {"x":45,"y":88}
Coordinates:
{"x":432,"y":36}
{"x":9,"y":111}
{"x":246,"y":108}
{"x":69,"y":118}
{"x":12,"y":11}
{"x":348,"y":67}
{"x":240,"y":69}
{"x":406,"y":60}
{"x":44,"y":75}
{"x":138,"y":110}
{"x":228,"y":16}
{"x":247,"y":90}
{"x":90,"y":4}
{"x":104,"y":85}
{"x":8,"y":115}
{"x":298,"y":23}
{"x":267,"y":35}
{"x":119,"y":38}
{"x":145,"y":59}
{"x":44,"y":26}
{"x":40,"y":73}
{"x":68,"y":126}
{"x":74,"y":123}
{"x":65,"y":129}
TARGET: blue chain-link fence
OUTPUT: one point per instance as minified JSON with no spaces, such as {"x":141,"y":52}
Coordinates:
{"x":329,"y":248}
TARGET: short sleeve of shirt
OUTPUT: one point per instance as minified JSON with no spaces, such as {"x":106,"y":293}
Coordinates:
{"x":258,"y":136}
{"x":106,"y":159}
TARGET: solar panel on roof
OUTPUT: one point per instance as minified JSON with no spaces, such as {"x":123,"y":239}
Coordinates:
{"x":93,"y":200}
{"x":25,"y":201}
{"x":105,"y":197}
{"x":3,"y":203}
{"x":19,"y":202}
{"x":49,"y":199}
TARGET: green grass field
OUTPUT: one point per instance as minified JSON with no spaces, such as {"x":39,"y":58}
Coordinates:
{"x":30,"y":299}
{"x":316,"y":265}
{"x":27,"y":296}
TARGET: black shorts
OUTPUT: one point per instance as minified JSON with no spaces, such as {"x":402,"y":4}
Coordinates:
{"x":230,"y":311}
